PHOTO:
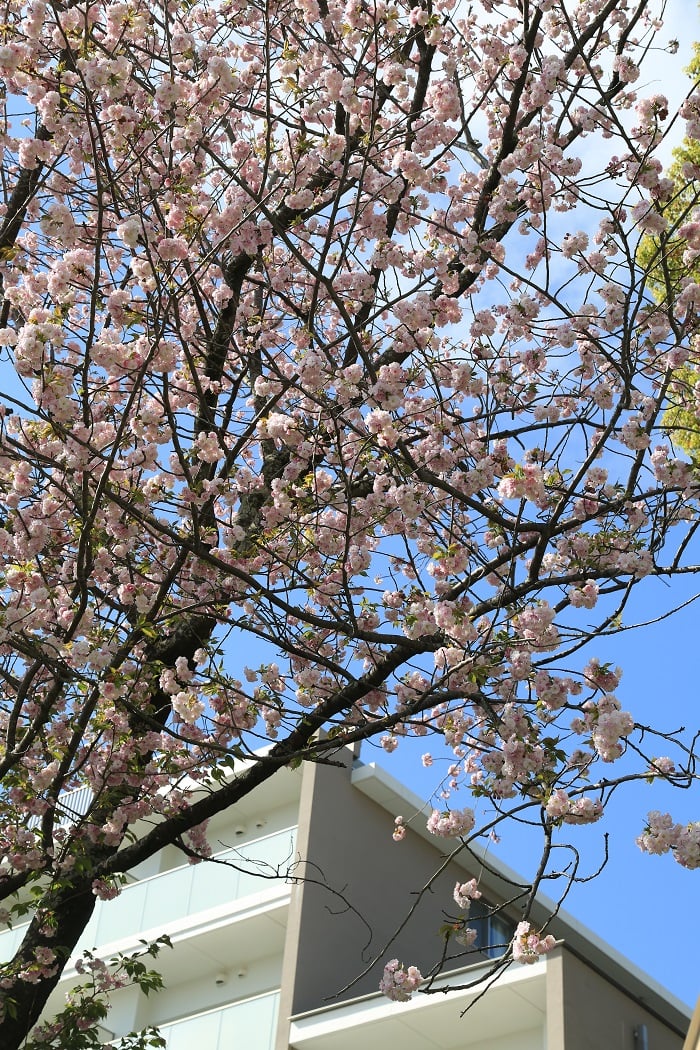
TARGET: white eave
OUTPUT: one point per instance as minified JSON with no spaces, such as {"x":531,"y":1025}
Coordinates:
{"x":515,"y":1004}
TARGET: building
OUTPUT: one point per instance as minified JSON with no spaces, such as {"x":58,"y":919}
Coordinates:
{"x":692,"y":1040}
{"x":272,"y":949}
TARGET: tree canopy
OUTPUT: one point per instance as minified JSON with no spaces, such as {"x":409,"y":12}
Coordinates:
{"x":669,"y":260}
{"x":334,"y":408}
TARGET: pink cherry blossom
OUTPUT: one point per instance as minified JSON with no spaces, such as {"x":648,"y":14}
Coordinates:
{"x":399,"y":982}
{"x":528,"y":946}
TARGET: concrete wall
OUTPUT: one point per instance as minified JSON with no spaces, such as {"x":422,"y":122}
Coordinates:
{"x":199,"y":992}
{"x":361,"y":886}
{"x":532,"y":1040}
{"x":598,"y":1015}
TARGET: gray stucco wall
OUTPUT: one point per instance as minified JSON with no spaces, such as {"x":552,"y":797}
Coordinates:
{"x":597,"y":1015}
{"x":367,"y":886}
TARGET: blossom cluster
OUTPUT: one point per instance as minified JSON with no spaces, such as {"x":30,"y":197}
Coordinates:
{"x":662,"y":835}
{"x":608,"y":725}
{"x":451,"y":823}
{"x":581,"y":810}
{"x":528,"y":945}
{"x":400,"y":982}
{"x":466,"y":892}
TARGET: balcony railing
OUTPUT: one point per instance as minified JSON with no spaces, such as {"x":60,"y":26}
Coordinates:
{"x":185,"y":891}
{"x":247,"y":1025}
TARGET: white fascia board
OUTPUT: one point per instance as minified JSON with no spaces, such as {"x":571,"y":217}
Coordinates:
{"x":524,"y":988}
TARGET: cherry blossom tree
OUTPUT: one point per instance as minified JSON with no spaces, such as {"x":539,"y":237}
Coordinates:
{"x":325,"y":338}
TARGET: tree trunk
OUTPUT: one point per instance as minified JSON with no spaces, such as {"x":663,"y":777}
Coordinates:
{"x":57,"y":925}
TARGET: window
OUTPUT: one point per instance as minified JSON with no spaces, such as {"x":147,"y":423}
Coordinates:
{"x":494,"y":932}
